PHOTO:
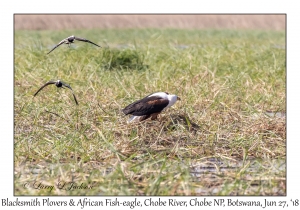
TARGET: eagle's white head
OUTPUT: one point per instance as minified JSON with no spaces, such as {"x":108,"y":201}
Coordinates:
{"x":172,"y":98}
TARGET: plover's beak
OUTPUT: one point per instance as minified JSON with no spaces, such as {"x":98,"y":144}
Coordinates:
{"x":178,"y":98}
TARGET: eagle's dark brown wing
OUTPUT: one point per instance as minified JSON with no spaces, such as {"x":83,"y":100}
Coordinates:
{"x":48,"y":83}
{"x":146,"y":106}
{"x":85,"y":40}
{"x":61,"y":42}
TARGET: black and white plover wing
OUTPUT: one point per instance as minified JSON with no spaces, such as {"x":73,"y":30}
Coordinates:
{"x":85,"y":40}
{"x":48,"y":83}
{"x":68,"y":86}
{"x":60,"y":43}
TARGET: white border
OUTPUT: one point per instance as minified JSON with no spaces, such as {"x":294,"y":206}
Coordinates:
{"x":154,"y":6}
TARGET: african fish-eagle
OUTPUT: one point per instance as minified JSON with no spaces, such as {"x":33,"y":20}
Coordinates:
{"x":150,"y":106}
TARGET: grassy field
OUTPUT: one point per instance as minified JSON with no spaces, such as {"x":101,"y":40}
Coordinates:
{"x":227,"y":135}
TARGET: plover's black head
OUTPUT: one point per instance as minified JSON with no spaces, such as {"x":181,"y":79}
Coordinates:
{"x":58,"y":83}
{"x":71,"y":38}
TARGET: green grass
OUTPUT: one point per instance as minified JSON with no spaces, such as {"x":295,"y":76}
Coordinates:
{"x":226,"y":80}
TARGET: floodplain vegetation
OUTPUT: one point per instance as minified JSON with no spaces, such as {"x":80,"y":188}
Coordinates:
{"x":227,"y":135}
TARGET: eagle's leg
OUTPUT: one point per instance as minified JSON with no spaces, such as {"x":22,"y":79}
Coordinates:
{"x":154,"y":116}
{"x":144,"y":117}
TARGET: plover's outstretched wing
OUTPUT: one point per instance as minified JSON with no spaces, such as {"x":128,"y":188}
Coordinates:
{"x":75,"y":98}
{"x":85,"y":40}
{"x":48,"y":83}
{"x":61,"y":42}
{"x":68,"y":86}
